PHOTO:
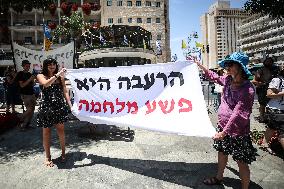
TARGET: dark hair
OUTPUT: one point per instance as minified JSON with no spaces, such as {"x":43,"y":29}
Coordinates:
{"x":243,"y":73}
{"x":24,"y":62}
{"x":45,"y":65}
{"x":281,"y":72}
{"x":268,"y":58}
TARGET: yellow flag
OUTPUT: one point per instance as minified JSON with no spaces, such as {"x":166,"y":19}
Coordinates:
{"x":198,"y":44}
{"x":183,"y":44}
{"x":47,"y":44}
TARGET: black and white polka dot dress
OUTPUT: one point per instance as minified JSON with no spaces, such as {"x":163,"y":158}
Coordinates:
{"x":53,"y":109}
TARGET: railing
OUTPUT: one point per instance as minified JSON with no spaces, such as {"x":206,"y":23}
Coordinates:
{"x":211,"y":98}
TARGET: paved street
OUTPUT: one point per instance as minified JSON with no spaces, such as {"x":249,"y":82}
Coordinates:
{"x":122,"y":159}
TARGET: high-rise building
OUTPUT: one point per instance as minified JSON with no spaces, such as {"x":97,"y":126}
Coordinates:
{"x":219,"y":32}
{"x":262,"y":36}
{"x":147,"y":15}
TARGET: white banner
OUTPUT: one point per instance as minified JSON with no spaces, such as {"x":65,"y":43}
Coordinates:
{"x":63,"y":55}
{"x":160,"y":97}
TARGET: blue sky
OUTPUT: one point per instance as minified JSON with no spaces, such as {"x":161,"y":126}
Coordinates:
{"x":184,"y":19}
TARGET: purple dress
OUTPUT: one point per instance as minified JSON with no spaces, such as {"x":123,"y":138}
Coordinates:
{"x":234,"y":118}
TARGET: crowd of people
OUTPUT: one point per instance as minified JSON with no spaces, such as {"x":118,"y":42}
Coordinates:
{"x":54,"y":105}
{"x":236,"y":96}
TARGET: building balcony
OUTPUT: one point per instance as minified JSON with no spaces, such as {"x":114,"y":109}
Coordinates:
{"x":263,"y":34}
{"x":5,"y":46}
{"x":270,"y":47}
{"x":265,"y":41}
{"x":117,"y":52}
{"x":25,"y":28}
{"x":260,"y":27}
{"x":261,"y":19}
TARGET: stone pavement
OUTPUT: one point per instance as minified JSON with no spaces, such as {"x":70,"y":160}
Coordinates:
{"x":122,"y":159}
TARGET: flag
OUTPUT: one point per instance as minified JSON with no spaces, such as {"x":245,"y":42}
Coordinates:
{"x":47,"y":44}
{"x":47,"y":33}
{"x":125,"y":40}
{"x":200,"y":45}
{"x":183,"y":44}
{"x":189,"y":58}
{"x":174,"y":58}
{"x":102,"y":40}
{"x":47,"y":38}
{"x":159,"y":48}
{"x":199,"y":55}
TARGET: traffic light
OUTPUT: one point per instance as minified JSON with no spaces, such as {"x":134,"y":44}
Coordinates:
{"x":207,"y":48}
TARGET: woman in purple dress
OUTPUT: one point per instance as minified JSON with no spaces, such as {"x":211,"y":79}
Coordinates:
{"x":232,"y":136}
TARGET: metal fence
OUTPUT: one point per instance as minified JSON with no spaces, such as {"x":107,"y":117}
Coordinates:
{"x":211,"y":98}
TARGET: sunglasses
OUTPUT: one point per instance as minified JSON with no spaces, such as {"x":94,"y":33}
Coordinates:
{"x":228,"y":64}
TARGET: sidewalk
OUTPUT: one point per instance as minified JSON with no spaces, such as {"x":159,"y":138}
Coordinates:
{"x":139,"y":159}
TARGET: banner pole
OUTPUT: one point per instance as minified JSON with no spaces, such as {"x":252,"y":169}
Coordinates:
{"x":74,"y":55}
{"x":14,"y":60}
{"x":43,"y":28}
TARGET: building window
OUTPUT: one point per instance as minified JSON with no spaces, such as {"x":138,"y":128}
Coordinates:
{"x":139,"y":20}
{"x":129,"y":3}
{"x":159,"y":37}
{"x":158,"y":20}
{"x":138,"y":3}
{"x":129,"y":20}
{"x":110,"y":20}
{"x":109,"y":2}
{"x":148,"y":20}
{"x":119,"y":3}
{"x":158,"y":4}
{"x":28,"y":41}
{"x":148,"y":4}
{"x":119,"y":20}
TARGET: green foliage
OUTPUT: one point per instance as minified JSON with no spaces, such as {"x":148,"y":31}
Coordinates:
{"x":70,"y":27}
{"x":273,"y":8}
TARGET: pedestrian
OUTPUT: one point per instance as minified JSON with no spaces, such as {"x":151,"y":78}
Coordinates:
{"x":232,"y":137}
{"x":53,"y":109}
{"x":11,"y":89}
{"x":261,"y":80}
{"x":275,"y":111}
{"x":218,"y":88}
{"x":26,"y":82}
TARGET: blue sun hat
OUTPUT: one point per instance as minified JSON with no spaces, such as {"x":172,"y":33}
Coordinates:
{"x":237,"y":57}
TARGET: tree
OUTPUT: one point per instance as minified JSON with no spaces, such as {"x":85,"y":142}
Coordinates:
{"x":71,"y":27}
{"x":19,"y":6}
{"x":273,"y":8}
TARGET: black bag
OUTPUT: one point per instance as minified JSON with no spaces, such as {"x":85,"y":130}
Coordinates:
{"x":275,"y":119}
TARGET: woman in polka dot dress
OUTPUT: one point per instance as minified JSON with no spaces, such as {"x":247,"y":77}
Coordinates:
{"x":53,"y":108}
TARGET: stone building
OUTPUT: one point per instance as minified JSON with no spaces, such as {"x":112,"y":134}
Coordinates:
{"x":219,"y":32}
{"x":152,"y":15}
{"x":262,"y":36}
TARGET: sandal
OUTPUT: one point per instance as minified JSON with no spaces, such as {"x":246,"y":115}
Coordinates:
{"x":48,"y":162}
{"x":212,"y":181}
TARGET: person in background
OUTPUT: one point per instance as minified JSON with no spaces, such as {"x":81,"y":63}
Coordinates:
{"x":11,"y":89}
{"x":261,"y":80}
{"x":26,"y":82}
{"x":275,"y":111}
{"x":53,"y":109}
{"x":218,"y":88}
{"x":232,"y":136}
